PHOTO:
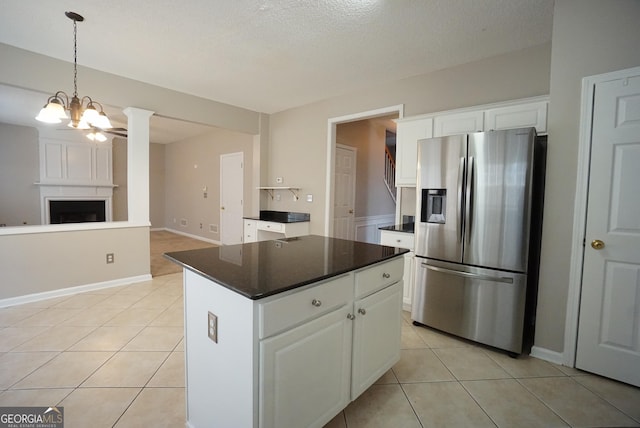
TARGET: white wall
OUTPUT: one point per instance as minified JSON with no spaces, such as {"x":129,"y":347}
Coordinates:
{"x":589,"y":37}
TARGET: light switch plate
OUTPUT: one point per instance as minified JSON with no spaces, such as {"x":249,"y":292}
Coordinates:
{"x":212,"y":327}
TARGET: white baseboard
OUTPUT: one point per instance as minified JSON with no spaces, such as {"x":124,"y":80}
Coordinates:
{"x":35,"y":297}
{"x":548,"y":355}
{"x":189,"y":235}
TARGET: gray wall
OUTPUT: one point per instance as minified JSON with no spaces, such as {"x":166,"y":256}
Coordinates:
{"x":589,"y":37}
{"x":372,"y":196}
{"x":184,"y":182}
{"x":19,"y":170}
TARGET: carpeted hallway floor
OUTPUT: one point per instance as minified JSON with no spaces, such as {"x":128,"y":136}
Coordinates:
{"x":163,"y":242}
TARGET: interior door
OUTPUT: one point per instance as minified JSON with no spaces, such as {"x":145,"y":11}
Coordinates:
{"x":231,"y":192}
{"x":609,"y":324}
{"x":345,"y":192}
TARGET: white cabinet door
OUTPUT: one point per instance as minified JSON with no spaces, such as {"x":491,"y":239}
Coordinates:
{"x":517,"y":116}
{"x":305,"y":372}
{"x":376,"y":336}
{"x":407,"y":135}
{"x":407,"y":278}
{"x":458,"y":123}
{"x":250,"y":231}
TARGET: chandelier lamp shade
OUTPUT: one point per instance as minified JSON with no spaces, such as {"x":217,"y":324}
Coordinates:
{"x":83,"y":112}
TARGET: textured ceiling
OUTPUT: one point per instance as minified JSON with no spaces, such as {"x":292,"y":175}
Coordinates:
{"x":272,"y":55}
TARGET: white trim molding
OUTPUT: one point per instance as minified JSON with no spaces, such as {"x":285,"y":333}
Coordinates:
{"x":367,"y":229}
{"x":580,"y":209}
{"x":548,"y":355}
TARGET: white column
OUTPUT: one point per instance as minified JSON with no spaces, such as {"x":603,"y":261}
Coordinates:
{"x":138,"y":164}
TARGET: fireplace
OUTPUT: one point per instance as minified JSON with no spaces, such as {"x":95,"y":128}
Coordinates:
{"x":76,"y":211}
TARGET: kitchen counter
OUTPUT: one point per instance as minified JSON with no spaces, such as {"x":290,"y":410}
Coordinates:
{"x":260,"y":269}
{"x":281,"y":216}
{"x":405,"y":227}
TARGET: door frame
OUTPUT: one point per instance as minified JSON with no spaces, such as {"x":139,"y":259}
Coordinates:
{"x":332,"y":123}
{"x":580,"y":208}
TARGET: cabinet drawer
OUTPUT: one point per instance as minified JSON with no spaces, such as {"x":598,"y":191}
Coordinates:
{"x":397,"y":239}
{"x":271,"y":226}
{"x":285,"y":312}
{"x":379,"y":276}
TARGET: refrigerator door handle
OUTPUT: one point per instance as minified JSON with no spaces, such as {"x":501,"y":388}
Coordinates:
{"x":461,"y":174}
{"x":506,"y":280}
{"x":470,"y":190}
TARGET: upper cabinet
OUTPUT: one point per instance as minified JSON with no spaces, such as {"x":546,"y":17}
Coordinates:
{"x":408,"y":132}
{"x":458,"y":123}
{"x":508,"y":115}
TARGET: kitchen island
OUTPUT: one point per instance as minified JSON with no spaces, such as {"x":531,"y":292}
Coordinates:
{"x":295,"y":330}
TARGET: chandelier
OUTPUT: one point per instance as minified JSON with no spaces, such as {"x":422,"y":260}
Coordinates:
{"x":83,"y":116}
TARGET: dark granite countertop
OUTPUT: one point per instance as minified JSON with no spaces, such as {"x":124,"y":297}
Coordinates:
{"x":260,"y":269}
{"x":406,"y":227}
{"x":282,"y":216}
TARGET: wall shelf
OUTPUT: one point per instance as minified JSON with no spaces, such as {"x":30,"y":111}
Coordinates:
{"x":270,"y":190}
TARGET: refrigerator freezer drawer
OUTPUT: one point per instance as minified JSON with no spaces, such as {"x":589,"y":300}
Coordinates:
{"x":482,"y":305}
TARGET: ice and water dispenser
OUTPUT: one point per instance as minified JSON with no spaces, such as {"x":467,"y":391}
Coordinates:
{"x":434,"y":206}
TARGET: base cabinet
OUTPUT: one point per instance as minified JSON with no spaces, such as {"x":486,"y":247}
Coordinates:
{"x":292,"y":360}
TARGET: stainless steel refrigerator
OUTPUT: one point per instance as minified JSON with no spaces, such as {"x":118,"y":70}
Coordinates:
{"x":477,"y":232}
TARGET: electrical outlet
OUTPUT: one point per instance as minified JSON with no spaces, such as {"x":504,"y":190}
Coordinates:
{"x":110,"y":258}
{"x":212,"y":327}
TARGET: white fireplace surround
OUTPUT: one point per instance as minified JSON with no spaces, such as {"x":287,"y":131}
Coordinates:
{"x":73,"y":170}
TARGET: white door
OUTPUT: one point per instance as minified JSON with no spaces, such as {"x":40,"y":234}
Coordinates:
{"x":345,"y":192}
{"x":609,"y":325}
{"x":231,"y":191}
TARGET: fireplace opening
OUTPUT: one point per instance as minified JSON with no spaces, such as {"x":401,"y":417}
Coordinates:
{"x":76,"y":211}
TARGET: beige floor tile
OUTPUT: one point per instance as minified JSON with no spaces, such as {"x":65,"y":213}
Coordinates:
{"x":155,"y":339}
{"x":127,"y":369}
{"x":49,"y":317}
{"x":624,"y":397}
{"x":171,"y":372}
{"x":381,"y":406}
{"x":82,"y":301}
{"x":410,"y":339}
{"x":173,"y":316}
{"x":141,"y":316}
{"x":509,"y":404}
{"x":338,"y":422}
{"x":45,"y":303}
{"x":472,"y":364}
{"x":569,"y":371}
{"x":58,"y":338}
{"x":120,"y":300}
{"x":445,"y":404}
{"x":155,"y":300}
{"x":97,"y":407}
{"x":575,"y":403}
{"x":94,"y":316}
{"x":437,"y":339}
{"x":140,"y":289}
{"x":525,"y":366}
{"x":10,"y":316}
{"x":33,"y":397}
{"x":66,"y":370}
{"x":10,"y":337}
{"x":387,"y":378}
{"x":156,"y":407}
{"x":107,"y":338}
{"x":17,"y":365}
{"x":420,"y":365}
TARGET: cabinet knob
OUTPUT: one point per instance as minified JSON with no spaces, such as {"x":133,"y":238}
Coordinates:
{"x":316,"y":303}
{"x":386,"y":275}
{"x":351,"y":317}
{"x":362,"y":311}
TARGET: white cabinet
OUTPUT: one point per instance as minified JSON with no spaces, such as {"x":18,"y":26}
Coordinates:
{"x":294,"y":359}
{"x":520,"y":115}
{"x":458,"y":123}
{"x":403,"y":240}
{"x":408,"y":132}
{"x":260,"y":230}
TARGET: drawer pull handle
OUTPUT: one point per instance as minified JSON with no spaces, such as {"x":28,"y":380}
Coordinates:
{"x":316,"y":303}
{"x":398,"y":240}
{"x":362,"y":311}
{"x":351,"y":317}
{"x":386,"y":275}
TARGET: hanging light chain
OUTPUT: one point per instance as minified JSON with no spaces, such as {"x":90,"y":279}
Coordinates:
{"x":75,"y":58}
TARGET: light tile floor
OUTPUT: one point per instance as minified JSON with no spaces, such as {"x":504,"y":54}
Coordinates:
{"x":115,"y":358}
